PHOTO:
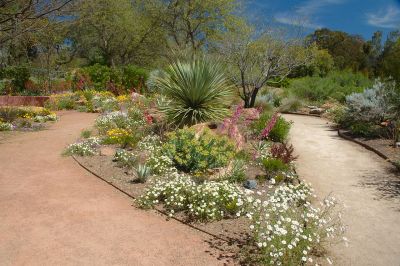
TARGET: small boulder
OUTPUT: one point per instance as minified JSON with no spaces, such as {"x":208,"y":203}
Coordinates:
{"x":317,"y":111}
{"x":250,"y":184}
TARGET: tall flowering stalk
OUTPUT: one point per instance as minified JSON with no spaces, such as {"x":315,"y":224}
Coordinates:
{"x":231,"y":126}
{"x":264,"y":134}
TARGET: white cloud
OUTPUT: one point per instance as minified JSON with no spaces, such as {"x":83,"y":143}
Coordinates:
{"x":302,"y":14}
{"x":385,"y":18}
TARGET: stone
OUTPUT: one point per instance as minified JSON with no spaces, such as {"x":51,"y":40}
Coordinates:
{"x":107,"y":151}
{"x":250,"y":184}
{"x":317,"y":111}
{"x":398,"y":144}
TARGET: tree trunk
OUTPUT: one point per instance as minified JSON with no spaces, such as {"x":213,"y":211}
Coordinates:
{"x":252,"y":99}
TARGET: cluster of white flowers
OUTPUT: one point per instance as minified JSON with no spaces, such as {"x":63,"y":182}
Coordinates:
{"x":205,"y":201}
{"x":286,"y":227}
{"x":88,"y":147}
{"x":45,"y":118}
{"x":104,"y":103}
{"x":158,"y":162}
{"x":4,"y":126}
{"x":107,"y":121}
{"x":125,"y":158}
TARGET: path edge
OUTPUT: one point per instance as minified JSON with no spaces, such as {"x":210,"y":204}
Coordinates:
{"x":227,"y":240}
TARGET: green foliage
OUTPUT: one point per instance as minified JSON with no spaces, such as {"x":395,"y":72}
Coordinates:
{"x":5,"y":126}
{"x":273,"y":165}
{"x":237,"y":173}
{"x":18,"y":75}
{"x":87,"y":133}
{"x":196,"y":154}
{"x":336,"y":85}
{"x":196,"y":91}
{"x":279,"y":132}
{"x":142,"y":172}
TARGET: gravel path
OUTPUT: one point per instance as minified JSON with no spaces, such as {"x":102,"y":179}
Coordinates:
{"x":52,"y":212}
{"x":362,"y":181}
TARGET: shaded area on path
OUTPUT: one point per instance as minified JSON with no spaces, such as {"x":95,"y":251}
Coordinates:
{"x":52,"y":212}
{"x":364,"y":183}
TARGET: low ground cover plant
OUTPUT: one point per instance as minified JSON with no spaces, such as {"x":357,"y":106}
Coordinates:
{"x":14,"y":118}
{"x":87,"y":147}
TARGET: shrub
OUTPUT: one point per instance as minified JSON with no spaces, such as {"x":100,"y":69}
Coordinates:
{"x":125,"y":158}
{"x":287,"y":229}
{"x":19,"y":76}
{"x":4,"y":126}
{"x":87,"y":147}
{"x":86,"y":133}
{"x":195,"y":154}
{"x":205,"y":202}
{"x":197,"y":91}
{"x":278,"y":133}
{"x":273,"y":166}
{"x":122,"y":137}
{"x":336,"y":85}
{"x":237,"y":173}
{"x":283,"y":151}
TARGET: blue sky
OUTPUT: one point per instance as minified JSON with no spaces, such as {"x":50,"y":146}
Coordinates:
{"x":361,"y":17}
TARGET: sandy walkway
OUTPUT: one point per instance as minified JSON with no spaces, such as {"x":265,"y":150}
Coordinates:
{"x":52,"y":212}
{"x":362,"y":182}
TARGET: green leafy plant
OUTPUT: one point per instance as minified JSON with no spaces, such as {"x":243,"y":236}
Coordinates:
{"x":237,"y":173}
{"x":191,"y":153}
{"x":142,"y":172}
{"x":196,"y":92}
{"x":280,"y":130}
{"x":87,"y":133}
{"x":273,"y":166}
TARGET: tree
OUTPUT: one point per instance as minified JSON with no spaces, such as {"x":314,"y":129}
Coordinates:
{"x":391,"y":61}
{"x":193,"y":24}
{"x":115,"y":32}
{"x":347,"y":50}
{"x":18,"y":17}
{"x":253,"y":59}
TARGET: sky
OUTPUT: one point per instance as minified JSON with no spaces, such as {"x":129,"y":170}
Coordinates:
{"x":362,"y":17}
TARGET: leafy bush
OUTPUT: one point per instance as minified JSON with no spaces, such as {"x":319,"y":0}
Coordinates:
{"x":205,"y":202}
{"x":196,"y":92}
{"x":122,"y":137}
{"x":86,"y":133}
{"x":283,"y":151}
{"x":4,"y":126}
{"x":87,"y":147}
{"x":19,"y":76}
{"x":336,"y":85}
{"x":278,"y":133}
{"x":195,"y":154}
{"x":273,"y":166}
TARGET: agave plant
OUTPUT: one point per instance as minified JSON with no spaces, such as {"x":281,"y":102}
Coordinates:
{"x":196,"y":92}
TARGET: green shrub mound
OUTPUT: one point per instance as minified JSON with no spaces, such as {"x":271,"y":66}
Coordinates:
{"x":196,"y":154}
{"x":279,"y":132}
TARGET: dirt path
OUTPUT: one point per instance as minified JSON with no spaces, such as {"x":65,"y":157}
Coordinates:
{"x":362,"y":181}
{"x":52,"y":212}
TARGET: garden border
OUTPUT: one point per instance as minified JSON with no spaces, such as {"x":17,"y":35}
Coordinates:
{"x":227,"y":240}
{"x":6,"y":100}
{"x":342,"y":135}
{"x":366,"y":146}
{"x":295,"y":113}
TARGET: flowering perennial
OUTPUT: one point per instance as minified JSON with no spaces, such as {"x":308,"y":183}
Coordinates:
{"x":204,"y":202}
{"x":88,"y":147}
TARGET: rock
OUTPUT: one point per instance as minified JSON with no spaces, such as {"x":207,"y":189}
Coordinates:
{"x":107,"y":151}
{"x":398,"y":144}
{"x":250,"y":184}
{"x":317,"y":111}
{"x":312,"y":107}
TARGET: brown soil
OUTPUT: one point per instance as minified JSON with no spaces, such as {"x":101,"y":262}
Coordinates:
{"x":53,"y":212}
{"x":367,"y":186}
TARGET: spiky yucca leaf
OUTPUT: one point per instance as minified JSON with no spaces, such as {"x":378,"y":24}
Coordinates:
{"x":197,"y":91}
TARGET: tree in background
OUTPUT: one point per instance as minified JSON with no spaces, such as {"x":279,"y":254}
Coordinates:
{"x":253,"y":59}
{"x":193,"y":24}
{"x":347,"y":50}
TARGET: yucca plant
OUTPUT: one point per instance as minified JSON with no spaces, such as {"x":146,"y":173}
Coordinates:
{"x":196,"y":92}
